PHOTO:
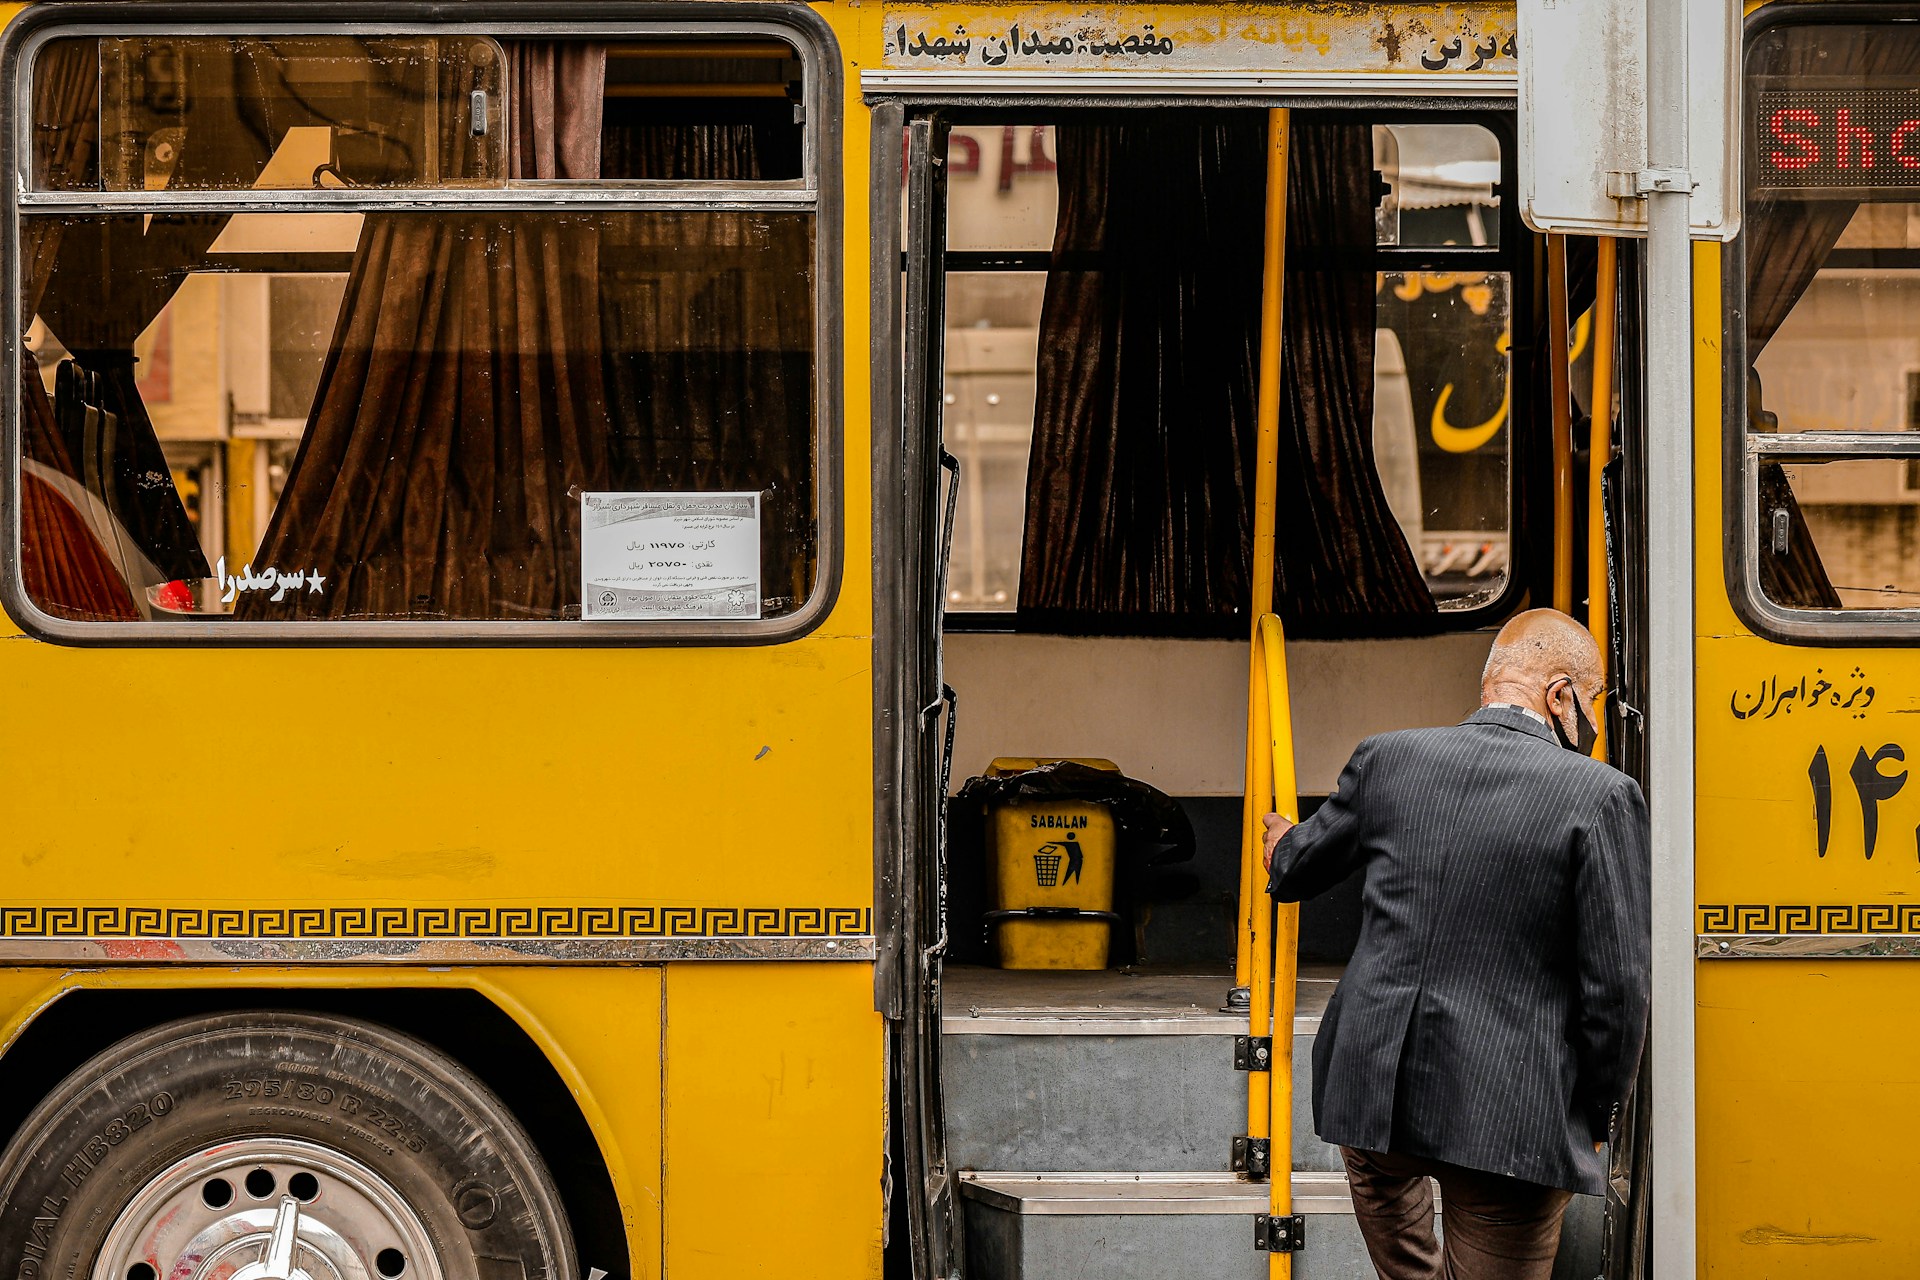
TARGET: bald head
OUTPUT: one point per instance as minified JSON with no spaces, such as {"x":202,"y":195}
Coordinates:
{"x":1533,"y":653}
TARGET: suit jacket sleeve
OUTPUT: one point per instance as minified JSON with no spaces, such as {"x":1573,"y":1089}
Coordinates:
{"x":1612,"y":913}
{"x":1322,"y":851}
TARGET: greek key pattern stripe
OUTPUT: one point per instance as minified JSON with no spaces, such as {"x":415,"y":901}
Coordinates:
{"x":653,"y":922}
{"x":1804,"y":918}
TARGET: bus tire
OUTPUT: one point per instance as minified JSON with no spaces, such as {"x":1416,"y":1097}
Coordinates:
{"x":215,"y":1137}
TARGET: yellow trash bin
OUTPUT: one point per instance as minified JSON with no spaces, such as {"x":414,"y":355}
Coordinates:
{"x":1053,"y":874}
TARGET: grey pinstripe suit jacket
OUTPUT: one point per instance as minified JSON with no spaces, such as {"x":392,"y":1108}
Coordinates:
{"x":1495,"y":1007}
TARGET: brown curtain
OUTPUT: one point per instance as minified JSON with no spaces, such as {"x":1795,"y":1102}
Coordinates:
{"x":463,"y":400}
{"x":1144,"y":416}
{"x":1139,"y":489}
{"x":708,"y":324}
{"x":1340,"y":556}
{"x":709,"y":338}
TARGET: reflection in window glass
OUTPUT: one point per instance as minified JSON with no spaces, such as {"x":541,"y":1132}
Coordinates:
{"x":301,"y":311}
{"x":298,"y":113}
{"x":173,"y":113}
{"x":993,"y":334}
{"x":1001,"y":187}
{"x":1832,"y":311}
{"x":1442,"y":398}
{"x":1440,"y":181}
{"x":1851,"y":527}
{"x":448,"y":399}
{"x":1839,"y":358}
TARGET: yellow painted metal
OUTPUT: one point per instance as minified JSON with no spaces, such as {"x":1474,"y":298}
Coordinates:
{"x":1265,"y":484}
{"x":1558,"y":379}
{"x":1599,"y":453}
{"x":1807,"y":1122}
{"x":1806,"y":1068}
{"x":774,"y":1077}
{"x":384,"y":778}
{"x":611,"y":1065}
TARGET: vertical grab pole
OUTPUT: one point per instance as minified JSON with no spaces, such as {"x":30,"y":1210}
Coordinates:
{"x":1560,"y":380}
{"x":1270,"y":648}
{"x":1266,"y":463}
{"x":1606,"y":302}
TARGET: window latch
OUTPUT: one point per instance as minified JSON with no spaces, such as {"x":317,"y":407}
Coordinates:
{"x":477,"y":119}
{"x":1782,"y":531}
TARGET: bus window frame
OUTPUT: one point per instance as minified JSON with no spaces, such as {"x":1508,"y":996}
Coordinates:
{"x":1741,"y":454}
{"x":1513,"y":255}
{"x":820,"y":193}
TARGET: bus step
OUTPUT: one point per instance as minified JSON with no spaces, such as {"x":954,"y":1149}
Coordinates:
{"x":1113,"y":1072}
{"x":1169,"y":1226}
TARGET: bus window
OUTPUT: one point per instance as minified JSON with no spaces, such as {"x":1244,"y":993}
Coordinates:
{"x":217,"y":112}
{"x":1057,"y":233}
{"x":1441,"y":181}
{"x":476,"y":405}
{"x":1831,"y":499}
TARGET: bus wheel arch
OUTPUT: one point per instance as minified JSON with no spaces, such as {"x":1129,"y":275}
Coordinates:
{"x":480,"y":1039}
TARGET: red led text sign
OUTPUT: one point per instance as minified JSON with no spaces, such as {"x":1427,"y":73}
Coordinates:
{"x":1845,"y":141}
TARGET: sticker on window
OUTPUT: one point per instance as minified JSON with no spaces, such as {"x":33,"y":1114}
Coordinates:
{"x":651,"y":556}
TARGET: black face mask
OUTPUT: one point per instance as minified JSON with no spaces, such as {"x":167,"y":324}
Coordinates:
{"x":1584,"y":731}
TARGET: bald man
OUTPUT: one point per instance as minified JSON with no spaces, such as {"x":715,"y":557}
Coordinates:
{"x":1490,"y":1023}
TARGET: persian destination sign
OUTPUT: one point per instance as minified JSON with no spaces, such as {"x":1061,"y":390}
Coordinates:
{"x":1844,"y":140}
{"x":1417,"y":39}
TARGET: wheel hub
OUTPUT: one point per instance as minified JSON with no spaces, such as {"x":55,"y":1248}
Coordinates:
{"x":267,"y":1209}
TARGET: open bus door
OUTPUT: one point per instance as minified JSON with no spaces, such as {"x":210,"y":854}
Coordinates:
{"x":1036,"y":1126}
{"x":910,"y":590}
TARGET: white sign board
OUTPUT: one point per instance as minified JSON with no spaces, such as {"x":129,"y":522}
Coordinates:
{"x":648,"y":556}
{"x":1583,"y":115}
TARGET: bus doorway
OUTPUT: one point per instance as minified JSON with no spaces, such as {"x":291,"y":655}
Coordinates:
{"x":1083,"y":301}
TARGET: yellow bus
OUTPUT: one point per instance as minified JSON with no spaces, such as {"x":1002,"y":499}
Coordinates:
{"x":685,"y":481}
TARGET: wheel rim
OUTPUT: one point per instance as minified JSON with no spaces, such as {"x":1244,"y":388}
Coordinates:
{"x":268,"y":1209}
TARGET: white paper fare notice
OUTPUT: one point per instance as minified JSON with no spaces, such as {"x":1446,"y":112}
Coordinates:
{"x":648,"y":556}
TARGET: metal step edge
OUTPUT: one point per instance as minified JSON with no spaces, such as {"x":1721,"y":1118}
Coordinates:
{"x":1082,"y":1194}
{"x":1053,"y":1022}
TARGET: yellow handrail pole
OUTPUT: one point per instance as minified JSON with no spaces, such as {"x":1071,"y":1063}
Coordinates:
{"x":1560,"y":379}
{"x":1266,"y":465}
{"x":1599,"y":452}
{"x":1260,"y":979}
{"x":1272,"y":647}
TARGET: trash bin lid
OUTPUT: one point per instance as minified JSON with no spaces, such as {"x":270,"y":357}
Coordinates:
{"x":1004,"y":765}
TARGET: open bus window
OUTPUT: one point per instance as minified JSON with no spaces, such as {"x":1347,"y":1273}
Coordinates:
{"x":420,"y":407}
{"x":1831,"y":245}
{"x":1056,"y":236}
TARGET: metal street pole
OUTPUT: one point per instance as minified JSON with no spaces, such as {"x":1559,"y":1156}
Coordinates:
{"x":1670,"y":500}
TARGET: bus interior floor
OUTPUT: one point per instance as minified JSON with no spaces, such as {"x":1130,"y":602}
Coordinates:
{"x":1143,"y":993}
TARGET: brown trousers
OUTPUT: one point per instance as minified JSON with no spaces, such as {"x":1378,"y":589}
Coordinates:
{"x":1497,"y":1228}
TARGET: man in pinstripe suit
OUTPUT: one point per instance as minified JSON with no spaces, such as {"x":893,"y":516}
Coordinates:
{"x":1491,"y":1020}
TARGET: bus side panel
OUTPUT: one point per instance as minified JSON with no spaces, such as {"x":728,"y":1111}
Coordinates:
{"x":775,"y":1122}
{"x":1809,"y":1136}
{"x":1805,"y":1068}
